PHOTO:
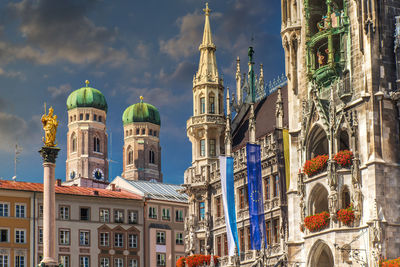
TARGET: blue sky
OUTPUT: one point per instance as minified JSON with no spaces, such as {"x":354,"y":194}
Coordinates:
{"x":125,"y":49}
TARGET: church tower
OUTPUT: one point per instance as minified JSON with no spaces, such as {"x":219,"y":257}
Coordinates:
{"x":343,"y":105}
{"x":87,"y":163}
{"x":142,"y":150}
{"x":206,"y":131}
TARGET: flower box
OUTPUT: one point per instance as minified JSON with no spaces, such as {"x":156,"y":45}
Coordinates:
{"x":346,"y":216}
{"x":344,"y":158}
{"x":195,"y":260}
{"x":390,"y":263}
{"x":315,"y":165}
{"x":317,"y":222}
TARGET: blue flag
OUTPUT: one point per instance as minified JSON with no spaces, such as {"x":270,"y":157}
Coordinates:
{"x":255,"y":195}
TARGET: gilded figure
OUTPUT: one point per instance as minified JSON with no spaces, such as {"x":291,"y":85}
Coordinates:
{"x":50,"y":124}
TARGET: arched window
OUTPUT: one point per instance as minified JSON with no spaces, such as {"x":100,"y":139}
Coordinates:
{"x":130,"y":132}
{"x":151,"y":156}
{"x":126,"y":133}
{"x":130,"y":156}
{"x":96,"y":144}
{"x":318,"y":200}
{"x":70,"y":118}
{"x":211,"y":104}
{"x":317,"y":143}
{"x":202,"y":105}
{"x":345,"y":197}
{"x":343,"y":140}
{"x":100,"y":118}
{"x":73,"y":143}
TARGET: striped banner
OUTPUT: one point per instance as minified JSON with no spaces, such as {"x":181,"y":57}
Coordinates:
{"x":228,"y":197}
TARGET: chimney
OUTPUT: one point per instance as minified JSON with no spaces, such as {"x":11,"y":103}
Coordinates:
{"x":58,"y":182}
{"x":112,"y":187}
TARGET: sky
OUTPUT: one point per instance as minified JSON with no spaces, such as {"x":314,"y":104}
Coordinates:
{"x":125,"y":49}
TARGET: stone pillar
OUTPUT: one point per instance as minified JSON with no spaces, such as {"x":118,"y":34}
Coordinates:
{"x":49,"y":155}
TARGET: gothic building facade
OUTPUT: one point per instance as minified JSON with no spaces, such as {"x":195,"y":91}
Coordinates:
{"x":340,"y":60}
{"x":212,"y":134}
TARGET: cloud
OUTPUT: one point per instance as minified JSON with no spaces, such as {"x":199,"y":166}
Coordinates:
{"x":62,"y":90}
{"x":12,"y":74}
{"x":14,"y":129}
{"x":59,"y":31}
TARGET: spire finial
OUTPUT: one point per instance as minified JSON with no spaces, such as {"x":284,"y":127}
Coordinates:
{"x":207,"y":10}
{"x":141,"y":99}
{"x":87,"y":83}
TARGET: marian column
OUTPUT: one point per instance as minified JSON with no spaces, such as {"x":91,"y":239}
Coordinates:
{"x":49,"y":153}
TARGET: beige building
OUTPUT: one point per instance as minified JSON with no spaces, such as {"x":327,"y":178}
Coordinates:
{"x":341,"y":66}
{"x":164,"y":211}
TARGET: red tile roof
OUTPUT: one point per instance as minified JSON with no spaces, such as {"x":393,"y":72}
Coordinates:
{"x":68,"y":190}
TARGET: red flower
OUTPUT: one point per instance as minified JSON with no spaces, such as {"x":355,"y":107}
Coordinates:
{"x":315,"y":165}
{"x":317,"y":222}
{"x":389,"y":263}
{"x":344,"y":158}
{"x":346,"y":216}
{"x":195,"y":260}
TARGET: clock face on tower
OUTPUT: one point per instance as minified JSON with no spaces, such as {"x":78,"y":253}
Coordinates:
{"x":98,"y":174}
{"x":72,"y":175}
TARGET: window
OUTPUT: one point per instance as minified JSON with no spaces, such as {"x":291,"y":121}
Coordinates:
{"x":119,"y":216}
{"x":155,"y":133}
{"x":3,"y":235}
{"x":137,"y":131}
{"x":212,"y":104}
{"x":74,"y":117}
{"x":64,"y":213}
{"x":118,"y":262}
{"x":219,"y":246}
{"x":130,"y":132}
{"x":19,"y":236}
{"x":64,"y":237}
{"x":202,"y":105}
{"x":241,"y":192}
{"x":104,"y":239}
{"x":132,"y":239}
{"x":202,"y":147}
{"x":151,"y":157}
{"x":218,"y":206}
{"x":85,"y":214}
{"x":161,"y":259}
{"x":73,"y":143}
{"x":202,"y":210}
{"x":104,"y":215}
{"x":152,"y":212}
{"x":179,"y":215}
{"x":3,"y":260}
{"x":241,"y":240}
{"x":40,"y":235}
{"x":96,"y":144}
{"x":100,"y":118}
{"x":165,"y":214}
{"x":64,"y":260}
{"x":40,"y":210}
{"x":248,"y":238}
{"x":20,"y":261}
{"x":179,"y":238}
{"x":268,"y":226}
{"x":84,"y":261}
{"x":266,"y":188}
{"x":143,"y":131}
{"x":130,"y":156}
{"x":150,"y":132}
{"x":212,"y":147}
{"x":132,"y":216}
{"x":133,"y":263}
{"x":276,"y":186}
{"x":84,"y":237}
{"x":160,"y":238}
{"x":104,"y":262}
{"x":94,"y":117}
{"x":225,"y":245}
{"x":119,"y":240}
{"x":81,"y":116}
{"x":4,"y":209}
{"x":276,"y":230}
{"x":87,"y":117}
{"x":20,"y":210}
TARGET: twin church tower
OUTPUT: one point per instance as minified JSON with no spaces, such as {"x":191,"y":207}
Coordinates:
{"x":87,"y":139}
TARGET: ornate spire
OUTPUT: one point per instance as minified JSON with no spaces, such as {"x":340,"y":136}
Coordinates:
{"x":238,"y":82}
{"x":228,"y":136}
{"x":207,"y":71}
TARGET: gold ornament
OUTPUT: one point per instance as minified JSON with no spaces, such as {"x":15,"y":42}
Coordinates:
{"x":50,"y":124}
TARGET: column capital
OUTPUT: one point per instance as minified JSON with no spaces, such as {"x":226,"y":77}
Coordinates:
{"x":49,"y":154}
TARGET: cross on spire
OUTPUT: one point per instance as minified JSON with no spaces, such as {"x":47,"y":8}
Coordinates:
{"x":207,"y":10}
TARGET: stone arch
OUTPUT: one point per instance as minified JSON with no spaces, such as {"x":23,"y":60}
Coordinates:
{"x":318,"y":200}
{"x":317,"y":142}
{"x":74,"y":143}
{"x":320,"y":255}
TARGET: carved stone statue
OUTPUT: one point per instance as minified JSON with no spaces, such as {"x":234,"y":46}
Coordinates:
{"x":333,"y":202}
{"x":50,"y":124}
{"x":357,"y":203}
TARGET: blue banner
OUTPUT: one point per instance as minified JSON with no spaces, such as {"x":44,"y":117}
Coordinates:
{"x":255,"y":195}
{"x":228,"y":197}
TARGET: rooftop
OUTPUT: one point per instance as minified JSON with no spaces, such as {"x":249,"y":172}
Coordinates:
{"x":68,"y":190}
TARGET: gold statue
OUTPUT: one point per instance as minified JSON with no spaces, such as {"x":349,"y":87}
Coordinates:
{"x":50,"y":124}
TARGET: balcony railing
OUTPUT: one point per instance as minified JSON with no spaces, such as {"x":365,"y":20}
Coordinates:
{"x":205,"y":119}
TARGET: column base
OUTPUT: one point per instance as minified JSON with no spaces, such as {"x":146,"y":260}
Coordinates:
{"x":49,"y":262}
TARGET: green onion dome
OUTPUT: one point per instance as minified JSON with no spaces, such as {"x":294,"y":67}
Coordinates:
{"x":141,"y":112}
{"x":87,"y":97}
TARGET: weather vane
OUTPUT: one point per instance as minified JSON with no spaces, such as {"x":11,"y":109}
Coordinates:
{"x":50,"y":124}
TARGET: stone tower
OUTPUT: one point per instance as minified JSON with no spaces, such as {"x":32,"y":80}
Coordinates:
{"x":142,"y":150}
{"x":206,"y":131}
{"x":341,"y":70}
{"x":87,"y":137}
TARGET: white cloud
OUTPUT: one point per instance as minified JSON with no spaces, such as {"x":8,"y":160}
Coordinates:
{"x":62,"y":90}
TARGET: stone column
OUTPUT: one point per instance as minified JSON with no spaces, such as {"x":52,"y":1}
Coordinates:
{"x":49,"y":155}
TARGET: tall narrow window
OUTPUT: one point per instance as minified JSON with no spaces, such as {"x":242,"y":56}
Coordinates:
{"x":268,"y":224}
{"x":202,"y":147}
{"x":96,"y":144}
{"x":130,"y":156}
{"x":151,"y":157}
{"x":202,"y":105}
{"x":225,"y":245}
{"x":212,"y":104}
{"x":242,"y":193}
{"x":218,"y":206}
{"x":241,"y":238}
{"x":276,"y":230}
{"x":219,"y":246}
{"x":212,"y":147}
{"x":202,"y":210}
{"x":73,"y":143}
{"x":276,"y":186}
{"x":266,"y":188}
